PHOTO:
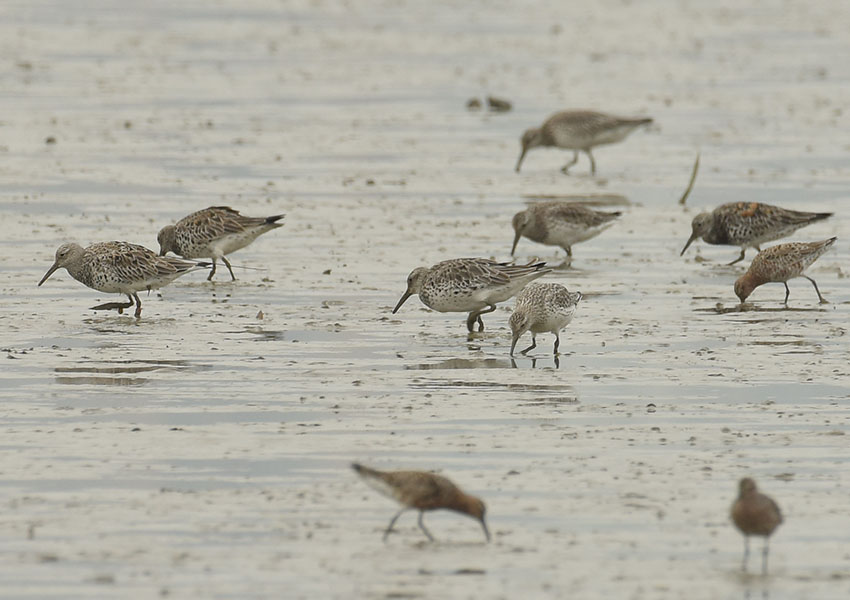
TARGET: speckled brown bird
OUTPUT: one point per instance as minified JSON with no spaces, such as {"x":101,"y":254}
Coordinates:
{"x":422,"y":491}
{"x":754,"y":514}
{"x":778,"y":264}
{"x":748,"y":225}
{"x":119,"y":268}
{"x":579,"y":130}
{"x":213,"y":233}
{"x":560,"y":224}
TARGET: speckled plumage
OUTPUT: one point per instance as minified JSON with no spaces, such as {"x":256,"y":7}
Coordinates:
{"x":748,"y":225}
{"x":422,"y":491}
{"x":560,"y":224}
{"x":754,"y":514}
{"x":469,"y":285}
{"x":780,"y":263}
{"x":119,"y":267}
{"x":213,"y":233}
{"x":579,"y":130}
{"x":542,"y":307}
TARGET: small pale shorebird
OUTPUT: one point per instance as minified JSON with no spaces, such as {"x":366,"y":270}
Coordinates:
{"x":120,"y":268}
{"x":542,"y":307}
{"x":778,"y":264}
{"x":560,"y":224}
{"x":754,"y":514}
{"x":422,"y":491}
{"x":473,"y":285}
{"x":579,"y":130}
{"x":748,"y":225}
{"x":213,"y":233}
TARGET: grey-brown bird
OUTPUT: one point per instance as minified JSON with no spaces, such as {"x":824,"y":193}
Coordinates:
{"x":422,"y":491}
{"x":754,"y":514}
{"x":579,"y":130}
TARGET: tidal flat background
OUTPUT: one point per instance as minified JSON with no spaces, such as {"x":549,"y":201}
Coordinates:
{"x":202,"y":452}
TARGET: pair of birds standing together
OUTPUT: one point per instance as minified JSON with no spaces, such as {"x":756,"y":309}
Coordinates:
{"x":753,"y":513}
{"x":124,"y":268}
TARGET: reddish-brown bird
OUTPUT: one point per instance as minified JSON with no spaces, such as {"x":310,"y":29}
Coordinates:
{"x":422,"y":491}
{"x":755,"y":514}
{"x":778,"y":264}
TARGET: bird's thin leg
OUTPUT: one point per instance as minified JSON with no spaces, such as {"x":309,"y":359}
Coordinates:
{"x":470,"y":321}
{"x":787,"y":292}
{"x":226,"y":262}
{"x":764,"y":556}
{"x":567,"y":166}
{"x":592,"y":162}
{"x":390,"y":526}
{"x":821,"y":298}
{"x":532,"y":346}
{"x":489,"y":309}
{"x":557,"y":343}
{"x":422,"y":526}
{"x":212,"y":272}
{"x":746,"y":553}
{"x":138,"y":305}
{"x":739,"y":259}
{"x":119,"y":306}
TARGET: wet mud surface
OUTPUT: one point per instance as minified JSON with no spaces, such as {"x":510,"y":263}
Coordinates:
{"x":203,"y":450}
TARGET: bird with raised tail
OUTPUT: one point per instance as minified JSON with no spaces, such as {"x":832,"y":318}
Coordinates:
{"x":120,"y":268}
{"x":560,"y":223}
{"x":422,"y":491}
{"x":214,"y":232}
{"x":748,"y":225}
{"x":542,"y":307}
{"x":473,"y":285}
{"x":754,"y":514}
{"x":579,"y":130}
{"x":778,"y":264}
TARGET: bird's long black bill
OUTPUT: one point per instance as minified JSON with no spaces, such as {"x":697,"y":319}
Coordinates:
{"x":402,"y":301}
{"x":516,"y":241}
{"x":514,"y":340}
{"x":49,"y":273}
{"x":690,"y":240}
{"x":486,"y":531}
{"x":519,"y":162}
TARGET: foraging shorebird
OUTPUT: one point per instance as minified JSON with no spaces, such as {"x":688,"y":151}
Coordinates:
{"x":579,"y":130}
{"x":213,"y":233}
{"x":778,"y":264}
{"x":119,"y":267}
{"x":542,"y":307}
{"x":560,"y":224}
{"x":754,"y":514}
{"x":473,"y":285}
{"x":748,"y":225}
{"x":422,"y":491}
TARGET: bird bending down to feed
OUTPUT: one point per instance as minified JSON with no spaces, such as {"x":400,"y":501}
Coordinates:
{"x":748,"y":225}
{"x":780,"y":263}
{"x":579,"y":130}
{"x":560,"y":224}
{"x":754,"y":514}
{"x":213,"y":233}
{"x":121,"y":268}
{"x":419,"y":490}
{"x":542,"y":307}
{"x":473,"y":285}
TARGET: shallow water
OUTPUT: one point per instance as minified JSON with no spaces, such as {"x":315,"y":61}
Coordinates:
{"x":201,"y":451}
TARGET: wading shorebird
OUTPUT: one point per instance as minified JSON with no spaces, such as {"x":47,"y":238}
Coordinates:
{"x":422,"y":491}
{"x":754,"y":514}
{"x":213,"y":233}
{"x":778,"y":264}
{"x":120,"y":268}
{"x":579,"y":130}
{"x":473,"y":285}
{"x":748,"y":225}
{"x":542,"y":307}
{"x":560,"y":224}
